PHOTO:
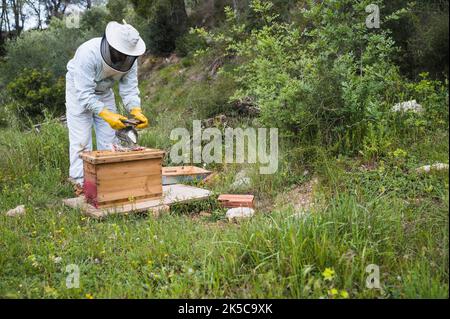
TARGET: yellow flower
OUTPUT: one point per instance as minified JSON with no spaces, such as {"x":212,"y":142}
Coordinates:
{"x":89,"y":296}
{"x":344,"y":294}
{"x":328,"y":273}
{"x":333,"y":291}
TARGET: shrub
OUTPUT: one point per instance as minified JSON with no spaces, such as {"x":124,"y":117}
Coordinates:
{"x":95,"y":20}
{"x":326,"y":83}
{"x":48,"y":49}
{"x":422,"y":35}
{"x":33,"y":91}
{"x":433,"y":96}
{"x":189,"y":43}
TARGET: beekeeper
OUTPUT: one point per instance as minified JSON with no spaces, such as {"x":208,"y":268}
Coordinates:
{"x":91,"y":74}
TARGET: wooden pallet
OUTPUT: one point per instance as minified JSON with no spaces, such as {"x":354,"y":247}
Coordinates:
{"x":172,"y":194}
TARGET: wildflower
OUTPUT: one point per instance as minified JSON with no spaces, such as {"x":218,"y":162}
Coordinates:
{"x":328,"y":274}
{"x":154,"y":276}
{"x":344,"y":294}
{"x":89,"y":296}
{"x":57,"y":260}
{"x":50,"y":291}
{"x":33,"y":260}
{"x":333,"y":292}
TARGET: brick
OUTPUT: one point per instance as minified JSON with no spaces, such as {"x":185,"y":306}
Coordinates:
{"x":232,"y":200}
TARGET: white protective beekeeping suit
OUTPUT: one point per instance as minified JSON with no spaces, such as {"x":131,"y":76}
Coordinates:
{"x":89,"y":83}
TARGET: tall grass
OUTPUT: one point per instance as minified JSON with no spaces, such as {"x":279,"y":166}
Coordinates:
{"x":274,"y":255}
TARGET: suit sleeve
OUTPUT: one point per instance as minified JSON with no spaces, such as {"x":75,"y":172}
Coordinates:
{"x":84,"y":80}
{"x":129,"y":90}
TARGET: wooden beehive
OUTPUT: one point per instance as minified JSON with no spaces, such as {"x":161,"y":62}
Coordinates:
{"x":117,"y":178}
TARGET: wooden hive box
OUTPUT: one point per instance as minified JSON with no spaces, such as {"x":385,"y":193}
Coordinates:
{"x":118,"y":178}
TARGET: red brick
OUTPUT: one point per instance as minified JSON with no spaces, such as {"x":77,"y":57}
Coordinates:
{"x":232,"y":201}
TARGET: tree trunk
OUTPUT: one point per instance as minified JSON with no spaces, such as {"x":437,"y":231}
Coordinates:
{"x":17,"y":6}
{"x":179,"y":16}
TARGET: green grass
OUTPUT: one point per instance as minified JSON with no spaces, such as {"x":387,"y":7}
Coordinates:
{"x":389,"y":216}
{"x":403,"y":229}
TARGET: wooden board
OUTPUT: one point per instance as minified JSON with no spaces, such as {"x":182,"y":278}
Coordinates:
{"x":172,"y":194}
{"x":183,"y":170}
{"x":183,"y":174}
{"x":102,"y":157}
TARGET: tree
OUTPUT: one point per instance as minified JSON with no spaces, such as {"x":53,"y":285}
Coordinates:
{"x":422,"y":34}
{"x":167,"y":22}
{"x":12,"y":19}
{"x":117,"y":9}
{"x":36,"y":10}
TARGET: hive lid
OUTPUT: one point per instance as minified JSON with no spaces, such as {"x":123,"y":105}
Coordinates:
{"x":102,"y":157}
{"x":183,"y":171}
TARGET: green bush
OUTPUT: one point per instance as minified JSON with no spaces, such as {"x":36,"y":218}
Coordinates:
{"x":433,"y":96}
{"x":35,"y":64}
{"x":422,"y":35}
{"x":333,"y":82}
{"x":48,"y":49}
{"x":189,"y":43}
{"x":95,"y":20}
{"x":3,"y":117}
{"x":33,"y":91}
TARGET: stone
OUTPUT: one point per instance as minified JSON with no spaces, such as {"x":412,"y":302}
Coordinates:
{"x":240,"y":212}
{"x":411,"y":106}
{"x":18,"y":211}
{"x":434,"y":167}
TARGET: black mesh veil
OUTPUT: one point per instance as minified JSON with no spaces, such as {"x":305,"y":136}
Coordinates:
{"x":118,"y":61}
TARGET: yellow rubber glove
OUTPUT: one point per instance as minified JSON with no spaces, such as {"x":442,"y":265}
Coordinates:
{"x":113,"y":119}
{"x":137,"y":114}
